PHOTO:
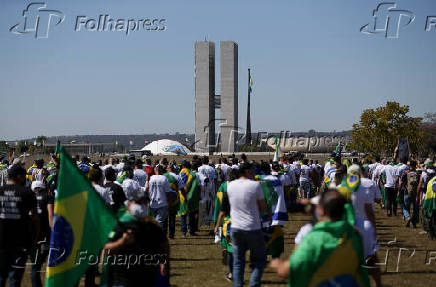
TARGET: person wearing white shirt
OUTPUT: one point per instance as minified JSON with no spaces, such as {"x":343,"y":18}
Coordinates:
{"x":159,"y":190}
{"x":139,"y":174}
{"x":426,"y":176}
{"x":292,"y":194}
{"x":305,"y":179}
{"x":209,"y":183}
{"x":130,"y":186}
{"x":362,"y":201}
{"x":247,"y":202}
{"x":225,"y":168}
{"x":97,"y":180}
{"x":402,"y":169}
{"x":235,"y":164}
{"x":391,"y":176}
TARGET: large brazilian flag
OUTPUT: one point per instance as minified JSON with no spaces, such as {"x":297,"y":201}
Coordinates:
{"x":82,"y":223}
{"x":330,"y":255}
{"x":429,"y":205}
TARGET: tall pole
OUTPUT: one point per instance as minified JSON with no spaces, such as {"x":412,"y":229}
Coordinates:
{"x":248,"y":130}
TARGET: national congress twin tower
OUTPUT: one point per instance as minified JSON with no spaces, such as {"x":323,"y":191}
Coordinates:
{"x":206,"y":99}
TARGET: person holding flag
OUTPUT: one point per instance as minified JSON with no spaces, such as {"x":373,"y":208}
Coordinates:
{"x":223,"y":221}
{"x":273,"y":185}
{"x":81,"y":225}
{"x":361,"y":192}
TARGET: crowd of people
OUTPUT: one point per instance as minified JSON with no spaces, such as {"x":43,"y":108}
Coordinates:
{"x":244,"y":204}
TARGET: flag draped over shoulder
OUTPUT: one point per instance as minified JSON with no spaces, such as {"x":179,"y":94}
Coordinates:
{"x":328,"y":176}
{"x":190,"y":197}
{"x":175,"y":191}
{"x":81,"y":225}
{"x":350,"y":183}
{"x":273,"y":235}
{"x":226,"y":240}
{"x":429,"y":205}
{"x":219,"y":200}
{"x":319,"y":259}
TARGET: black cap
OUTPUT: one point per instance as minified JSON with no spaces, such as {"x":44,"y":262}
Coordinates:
{"x":15,"y":171}
{"x":245,"y":166}
{"x":276,"y":166}
{"x":110,"y":172}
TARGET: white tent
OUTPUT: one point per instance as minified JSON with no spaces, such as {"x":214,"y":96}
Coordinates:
{"x":166,"y":147}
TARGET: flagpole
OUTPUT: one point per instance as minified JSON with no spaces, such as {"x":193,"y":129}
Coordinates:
{"x":248,"y":129}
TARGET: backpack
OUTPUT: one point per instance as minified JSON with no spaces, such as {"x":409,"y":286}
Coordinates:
{"x":412,"y":183}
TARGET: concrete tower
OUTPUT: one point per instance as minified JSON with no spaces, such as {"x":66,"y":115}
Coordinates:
{"x":229,"y":96}
{"x":204,"y":97}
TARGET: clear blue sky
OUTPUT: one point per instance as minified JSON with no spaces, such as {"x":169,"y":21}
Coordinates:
{"x":311,"y":66}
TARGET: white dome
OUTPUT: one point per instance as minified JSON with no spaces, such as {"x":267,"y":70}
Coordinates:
{"x":166,"y":147}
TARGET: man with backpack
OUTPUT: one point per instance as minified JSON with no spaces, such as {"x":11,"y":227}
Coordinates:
{"x":410,"y":181}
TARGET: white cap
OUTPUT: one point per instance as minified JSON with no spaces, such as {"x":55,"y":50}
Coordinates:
{"x":315,"y":200}
{"x":37,"y":184}
{"x":354,"y":168}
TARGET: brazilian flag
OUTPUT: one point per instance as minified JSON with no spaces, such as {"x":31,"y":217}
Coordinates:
{"x":269,"y":193}
{"x":175,"y":199}
{"x":350,"y":183}
{"x":122,"y":177}
{"x":429,"y":205}
{"x":226,"y":239}
{"x":81,"y":225}
{"x":219,"y":200}
{"x":330,"y":255}
{"x":189,"y":198}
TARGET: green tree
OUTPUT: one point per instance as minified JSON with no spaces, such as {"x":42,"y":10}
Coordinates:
{"x":428,"y":147}
{"x":378,"y":130}
{"x":41,"y":140}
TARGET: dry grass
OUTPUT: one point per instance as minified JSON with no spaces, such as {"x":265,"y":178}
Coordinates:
{"x":196,"y":261}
